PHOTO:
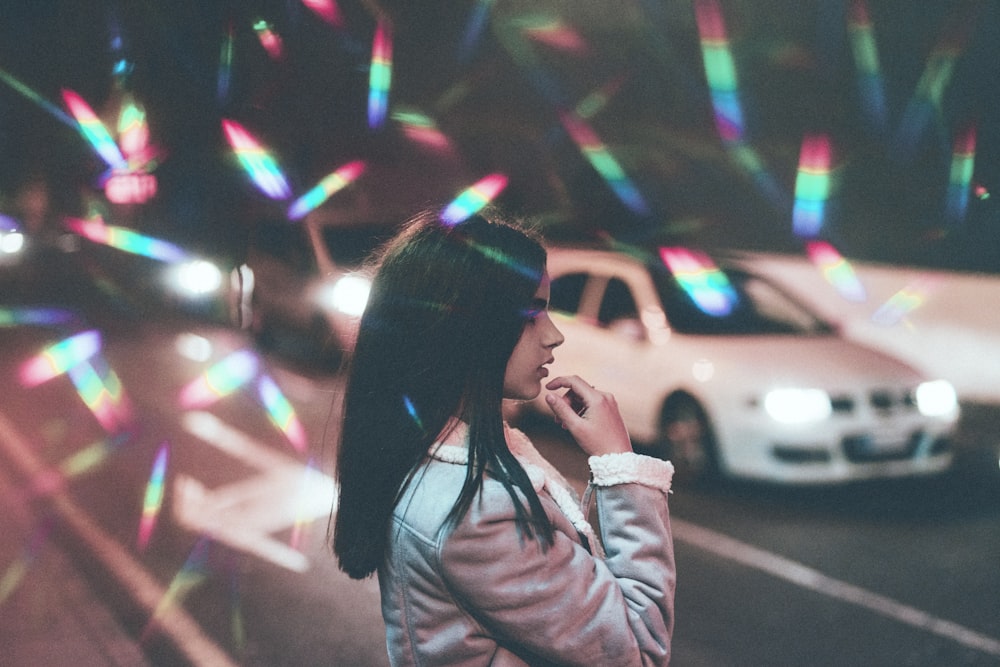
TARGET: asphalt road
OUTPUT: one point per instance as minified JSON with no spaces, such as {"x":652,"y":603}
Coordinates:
{"x":233,"y":558}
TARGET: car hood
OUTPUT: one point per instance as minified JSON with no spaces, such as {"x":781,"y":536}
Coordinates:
{"x":821,"y":361}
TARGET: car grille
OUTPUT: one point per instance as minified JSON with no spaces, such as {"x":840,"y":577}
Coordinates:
{"x":861,"y":449}
{"x":882,"y":401}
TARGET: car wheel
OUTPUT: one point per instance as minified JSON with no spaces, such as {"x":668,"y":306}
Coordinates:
{"x":687,"y":441}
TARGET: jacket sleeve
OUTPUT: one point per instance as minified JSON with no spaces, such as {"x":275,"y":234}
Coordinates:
{"x":560,"y":602}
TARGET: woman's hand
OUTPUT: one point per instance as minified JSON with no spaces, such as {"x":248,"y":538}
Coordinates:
{"x":591,"y":416}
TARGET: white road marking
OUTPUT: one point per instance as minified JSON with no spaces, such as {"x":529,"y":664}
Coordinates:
{"x":143,"y":589}
{"x":245,"y":514}
{"x":806,"y":577}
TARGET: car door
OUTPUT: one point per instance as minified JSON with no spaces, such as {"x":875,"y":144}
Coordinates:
{"x":601,"y":312}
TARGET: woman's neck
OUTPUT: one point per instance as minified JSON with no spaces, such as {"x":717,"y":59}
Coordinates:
{"x":455,"y":433}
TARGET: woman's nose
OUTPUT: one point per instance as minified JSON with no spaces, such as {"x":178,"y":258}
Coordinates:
{"x":554,"y":337}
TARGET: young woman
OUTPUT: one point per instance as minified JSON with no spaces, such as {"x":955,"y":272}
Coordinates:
{"x":483,"y":554}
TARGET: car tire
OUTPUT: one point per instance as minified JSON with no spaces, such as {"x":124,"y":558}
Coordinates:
{"x":686,"y":439}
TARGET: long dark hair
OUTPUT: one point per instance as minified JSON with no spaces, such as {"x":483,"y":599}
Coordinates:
{"x":447,"y":307}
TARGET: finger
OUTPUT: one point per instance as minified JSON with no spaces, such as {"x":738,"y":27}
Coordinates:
{"x":561,"y":409}
{"x":574,"y":382}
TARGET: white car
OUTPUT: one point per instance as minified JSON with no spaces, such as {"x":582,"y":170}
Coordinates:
{"x":723,"y":373}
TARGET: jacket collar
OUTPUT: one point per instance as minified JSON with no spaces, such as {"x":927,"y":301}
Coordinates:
{"x":453,"y":447}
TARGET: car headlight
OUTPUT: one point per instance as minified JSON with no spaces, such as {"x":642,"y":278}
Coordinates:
{"x":936,"y":398}
{"x":11,"y":242}
{"x":348,"y":295}
{"x":797,"y":406}
{"x":195,"y":278}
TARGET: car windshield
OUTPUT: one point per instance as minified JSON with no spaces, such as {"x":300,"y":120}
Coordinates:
{"x":732,"y":302}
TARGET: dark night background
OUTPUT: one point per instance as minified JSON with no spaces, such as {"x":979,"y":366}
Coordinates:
{"x":497,"y":101}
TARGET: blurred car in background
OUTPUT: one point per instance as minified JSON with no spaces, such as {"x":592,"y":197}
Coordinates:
{"x":143,"y":276}
{"x":304,"y":292}
{"x":718,"y":370}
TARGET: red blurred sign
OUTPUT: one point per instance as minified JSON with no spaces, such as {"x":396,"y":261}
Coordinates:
{"x":130,"y":188}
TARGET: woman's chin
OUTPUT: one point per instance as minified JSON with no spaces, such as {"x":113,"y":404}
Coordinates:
{"x":523,"y":394}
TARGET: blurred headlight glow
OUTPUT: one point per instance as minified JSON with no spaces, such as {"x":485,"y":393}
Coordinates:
{"x":349,"y":295}
{"x":11,"y":242}
{"x":936,"y":398}
{"x":195,"y":277}
{"x":797,"y":406}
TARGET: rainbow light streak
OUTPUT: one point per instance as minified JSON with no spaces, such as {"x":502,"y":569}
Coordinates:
{"x":256,"y":161}
{"x":499,"y":257}
{"x":556,"y":34}
{"x":220,"y":380}
{"x":328,"y":10}
{"x":88,"y":458}
{"x":603,"y":161}
{"x":93,"y":130}
{"x":191,"y":575}
{"x":871,"y":85}
{"x":225,"y":73}
{"x":706,"y":285}
{"x":269,"y":39}
{"x":412,"y":410}
{"x":723,"y":86}
{"x":153,"y":499}
{"x":380,"y":74}
{"x":35,"y":316}
{"x":590,"y":105}
{"x":926,"y":100}
{"x":905,"y":301}
{"x":281,"y":413}
{"x":837,"y":271}
{"x":102,"y":394}
{"x":27,"y":92}
{"x":133,"y":132}
{"x":474,"y":198}
{"x":330,"y":184}
{"x":60,"y":357}
{"x":512,"y":37}
{"x":719,"y":70}
{"x":474,"y":28}
{"x":421,"y":128}
{"x":126,"y":240}
{"x":812,"y":186}
{"x":963,"y":161}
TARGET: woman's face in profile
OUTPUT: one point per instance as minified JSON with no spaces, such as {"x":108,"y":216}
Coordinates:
{"x":526,"y":367}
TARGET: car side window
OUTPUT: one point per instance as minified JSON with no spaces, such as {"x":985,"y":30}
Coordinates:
{"x":617,"y":303}
{"x":566,"y":291}
{"x":619,"y":312}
